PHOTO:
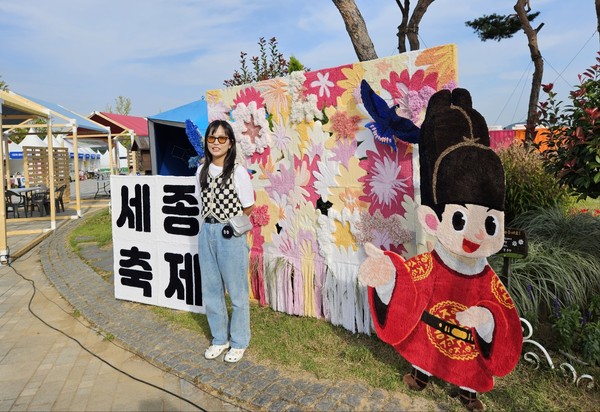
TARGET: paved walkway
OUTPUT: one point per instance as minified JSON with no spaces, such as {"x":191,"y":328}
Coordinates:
{"x":44,"y":365}
{"x":41,"y":369}
{"x":52,"y":358}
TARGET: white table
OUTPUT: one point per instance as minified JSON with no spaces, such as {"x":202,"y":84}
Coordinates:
{"x":102,"y":185}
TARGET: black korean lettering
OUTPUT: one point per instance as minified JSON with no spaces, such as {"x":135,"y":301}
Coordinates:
{"x":182,"y":209}
{"x":136,"y":277}
{"x":135,"y":211}
{"x":184,"y":278}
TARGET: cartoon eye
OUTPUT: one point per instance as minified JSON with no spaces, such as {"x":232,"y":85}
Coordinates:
{"x":490,"y":225}
{"x":459,"y":221}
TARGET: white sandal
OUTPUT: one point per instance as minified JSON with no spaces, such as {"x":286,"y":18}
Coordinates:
{"x":214,"y":351}
{"x":234,"y":355}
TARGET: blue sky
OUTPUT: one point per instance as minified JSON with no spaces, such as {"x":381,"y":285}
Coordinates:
{"x":161,"y":54}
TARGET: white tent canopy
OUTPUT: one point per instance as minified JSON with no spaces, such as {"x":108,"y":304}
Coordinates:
{"x":33,"y":140}
{"x":105,"y":161}
{"x":105,"y":158}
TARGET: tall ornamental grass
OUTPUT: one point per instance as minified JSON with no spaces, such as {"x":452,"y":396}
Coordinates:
{"x":562,"y":267}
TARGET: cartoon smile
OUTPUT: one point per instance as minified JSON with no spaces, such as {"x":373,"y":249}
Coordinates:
{"x":469,"y":246}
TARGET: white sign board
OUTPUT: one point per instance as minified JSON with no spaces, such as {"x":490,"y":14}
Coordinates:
{"x":155,"y":226}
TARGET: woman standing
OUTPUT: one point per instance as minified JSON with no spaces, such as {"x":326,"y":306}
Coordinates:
{"x":225,"y":191}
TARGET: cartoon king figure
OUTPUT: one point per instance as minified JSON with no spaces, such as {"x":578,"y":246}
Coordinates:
{"x":446,"y":311}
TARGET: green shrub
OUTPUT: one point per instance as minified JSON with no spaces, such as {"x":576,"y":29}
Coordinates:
{"x":566,"y":325}
{"x":574,"y":134}
{"x":578,"y":331}
{"x":528,"y":185}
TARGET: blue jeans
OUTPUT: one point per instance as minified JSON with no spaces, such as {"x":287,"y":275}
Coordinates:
{"x":224,"y":266}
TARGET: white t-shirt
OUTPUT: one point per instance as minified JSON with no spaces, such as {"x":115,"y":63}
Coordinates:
{"x":241,"y":181}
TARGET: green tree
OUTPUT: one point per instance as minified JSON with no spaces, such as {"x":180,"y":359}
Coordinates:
{"x":17,"y":135}
{"x":3,"y":85}
{"x":573,"y":136}
{"x":294,"y":65}
{"x":269,"y":64}
{"x":498,"y":27}
{"x":123,"y":106}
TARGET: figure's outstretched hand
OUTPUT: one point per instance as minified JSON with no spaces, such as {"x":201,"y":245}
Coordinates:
{"x":474,"y":316}
{"x":479,"y":318}
{"x":377,"y":269}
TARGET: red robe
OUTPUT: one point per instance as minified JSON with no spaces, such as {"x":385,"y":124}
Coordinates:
{"x":425,"y":283}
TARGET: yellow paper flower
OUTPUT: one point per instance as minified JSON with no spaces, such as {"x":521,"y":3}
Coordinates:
{"x":348,"y":190}
{"x":277,"y":99}
{"x":441,"y":60}
{"x":354,"y":76}
{"x":343,"y":237}
{"x":214,"y":96}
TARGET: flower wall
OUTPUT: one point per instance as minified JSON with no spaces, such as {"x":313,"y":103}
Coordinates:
{"x":323,"y":185}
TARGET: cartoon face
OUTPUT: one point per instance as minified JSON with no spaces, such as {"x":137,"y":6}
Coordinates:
{"x":472,"y":231}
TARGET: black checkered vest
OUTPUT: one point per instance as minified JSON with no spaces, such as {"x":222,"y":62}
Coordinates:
{"x":222,"y":202}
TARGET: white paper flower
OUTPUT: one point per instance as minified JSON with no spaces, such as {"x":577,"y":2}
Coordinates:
{"x":251,"y":128}
{"x":304,"y":108}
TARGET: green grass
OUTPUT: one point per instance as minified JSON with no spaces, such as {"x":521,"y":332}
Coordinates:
{"x":296,"y":345}
{"x":97,"y":228}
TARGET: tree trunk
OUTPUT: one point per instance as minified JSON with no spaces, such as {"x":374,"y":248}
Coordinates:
{"x":404,"y":9}
{"x":538,"y":72}
{"x":357,"y":29}
{"x":415,"y":20}
{"x":598,"y":15}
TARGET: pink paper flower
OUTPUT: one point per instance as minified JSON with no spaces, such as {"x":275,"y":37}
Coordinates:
{"x":260,"y":215}
{"x":388,"y":179}
{"x":343,"y":125}
{"x":248,"y":95}
{"x":411,"y":93}
{"x":324,"y":85}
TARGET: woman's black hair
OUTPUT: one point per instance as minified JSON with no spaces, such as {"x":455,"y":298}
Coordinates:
{"x":229,"y":163}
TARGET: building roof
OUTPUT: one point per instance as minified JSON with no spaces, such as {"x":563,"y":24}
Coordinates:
{"x":120,"y":123}
{"x":196,"y":111}
{"x":17,"y":109}
{"x":83,"y":124}
{"x":140,"y":143}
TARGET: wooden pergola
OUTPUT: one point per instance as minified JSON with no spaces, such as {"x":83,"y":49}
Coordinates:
{"x":17,"y":112}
